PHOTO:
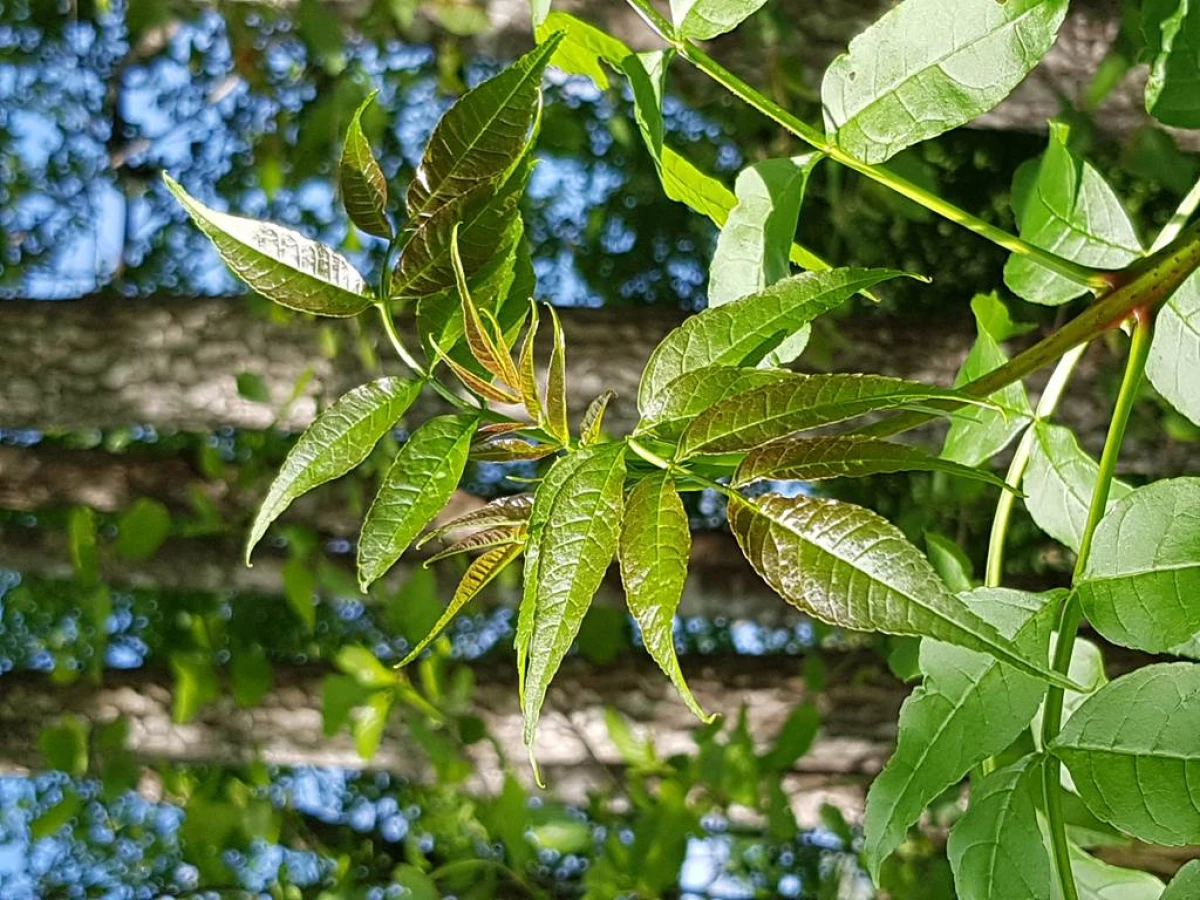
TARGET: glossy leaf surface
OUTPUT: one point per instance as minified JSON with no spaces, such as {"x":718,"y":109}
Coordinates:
{"x":361,"y":181}
{"x":668,"y":412}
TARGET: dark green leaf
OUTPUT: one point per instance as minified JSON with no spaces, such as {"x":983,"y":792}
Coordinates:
{"x":1174,"y":364}
{"x":64,"y":746}
{"x":361,"y":181}
{"x":253,"y":387}
{"x":1172,"y":32}
{"x":251,"y":674}
{"x":142,"y":528}
{"x":795,"y":738}
{"x":300,"y":589}
{"x":364,"y":667}
{"x":949,"y":561}
{"x":340,"y":694}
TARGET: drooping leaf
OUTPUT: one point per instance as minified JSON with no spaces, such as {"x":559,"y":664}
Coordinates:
{"x":556,"y":384}
{"x":670,"y":409}
{"x":745,"y":331}
{"x":573,"y":535}
{"x":481,"y":138}
{"x":847,"y":566}
{"x":654,"y":549}
{"x":969,"y":707}
{"x":1071,"y":211}
{"x":592,"y":423}
{"x":799,"y":402}
{"x":1185,"y":884}
{"x":1172,"y":32}
{"x":996,"y":850}
{"x":843,"y":456}
{"x":950,"y":562}
{"x":483,"y":387}
{"x":1174,"y":364}
{"x":1131,"y":748}
{"x":583,"y":47}
{"x":977,"y":433}
{"x":928,"y":66}
{"x":1059,"y":484}
{"x":1140,"y":587}
{"x":512,"y":510}
{"x":361,"y":181}
{"x":418,"y":484}
{"x":339,"y":439}
{"x":478,"y":576}
{"x":703,"y":20}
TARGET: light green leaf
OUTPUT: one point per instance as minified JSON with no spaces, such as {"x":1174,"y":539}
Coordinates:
{"x":1086,"y":668}
{"x":300,"y":590}
{"x":368,"y":722}
{"x":703,"y":20}
{"x":996,"y":850}
{"x":1131,"y":748}
{"x":538,"y":10}
{"x":969,"y":707}
{"x":843,"y":456}
{"x":591,"y":426}
{"x":655,"y":545}
{"x":1097,"y":880}
{"x":195,"y":684}
{"x":1059,"y":484}
{"x":418,"y":484}
{"x":1174,"y":364}
{"x":670,"y":409}
{"x":340,"y":438}
{"x":976,"y":433}
{"x":847,"y":566}
{"x":928,"y":66}
{"x":142,"y":528}
{"x":480,"y":139}
{"x":1141,"y":585}
{"x":573,"y":536}
{"x":361,"y":181}
{"x":1172,"y":32}
{"x":81,"y":543}
{"x":1186,"y":883}
{"x":583,"y":48}
{"x":949,"y":561}
{"x":1071,"y":211}
{"x":364,"y":667}
{"x":799,"y":402}
{"x":281,"y":264}
{"x":745,"y":331}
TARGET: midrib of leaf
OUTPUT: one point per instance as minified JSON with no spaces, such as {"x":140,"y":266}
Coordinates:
{"x":1087,"y":236}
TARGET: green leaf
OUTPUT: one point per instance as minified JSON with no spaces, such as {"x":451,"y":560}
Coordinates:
{"x":745,"y":331}
{"x":655,"y":545}
{"x":340,"y":694}
{"x":65,"y":746}
{"x":364,"y":667}
{"x":1131,"y":749}
{"x":361,"y":181}
{"x":1174,"y":364}
{"x":420,"y":481}
{"x":928,"y":66}
{"x":996,"y":849}
{"x":556,"y":384}
{"x":591,"y":426}
{"x":142,"y":528}
{"x":703,"y":20}
{"x":195,"y":684}
{"x":1140,"y":587}
{"x":253,"y":387}
{"x":573,"y":536}
{"x":795,"y":738}
{"x":281,"y":264}
{"x":949,"y":561}
{"x":1097,"y":880}
{"x":369,"y":721}
{"x":1059,"y":484}
{"x":969,"y":707}
{"x":1172,"y":32}
{"x":81,"y":542}
{"x":339,"y":439}
{"x":512,"y":510}
{"x":843,"y":456}
{"x":1186,"y":883}
{"x":57,"y":816}
{"x":799,"y":402}
{"x":539,"y":10}
{"x":976,"y":433}
{"x":847,"y":566}
{"x":1071,"y":211}
{"x":251,"y":674}
{"x":482,"y":136}
{"x":583,"y":47}
{"x":670,"y":409}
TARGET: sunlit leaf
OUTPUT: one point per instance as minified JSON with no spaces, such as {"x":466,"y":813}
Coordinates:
{"x":1172,"y":32}
{"x":368,"y":722}
{"x":928,"y":66}
{"x":1185,"y":884}
{"x":418,"y":484}
{"x":488,"y":538}
{"x":527,"y":371}
{"x":556,"y":384}
{"x":512,"y":510}
{"x":361,"y":181}
{"x":143,"y":528}
{"x":592,"y":423}
{"x":281,"y":264}
{"x":511,"y":450}
{"x":484,"y":388}
{"x":364,"y":667}
{"x":670,"y":409}
{"x":1174,"y":364}
{"x":483,"y":346}
{"x":583,"y":47}
{"x":340,"y":438}
{"x":703,"y":20}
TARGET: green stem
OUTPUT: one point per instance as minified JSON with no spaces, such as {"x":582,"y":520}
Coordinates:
{"x":673,"y":467}
{"x":1070,"y":616}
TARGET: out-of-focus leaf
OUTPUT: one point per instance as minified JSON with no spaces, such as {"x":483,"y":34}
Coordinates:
{"x":340,"y":694}
{"x":300,"y":590}
{"x":364,"y":667}
{"x":368,"y":721}
{"x":253,"y":387}
{"x":57,"y":816}
{"x":81,"y":542}
{"x":64,"y":745}
{"x":795,"y":738}
{"x":142,"y":528}
{"x":251,"y":674}
{"x":1174,"y":364}
{"x":1172,"y":32}
{"x":361,"y":181}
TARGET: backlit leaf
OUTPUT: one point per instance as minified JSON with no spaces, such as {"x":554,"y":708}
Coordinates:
{"x":418,"y":484}
{"x":340,"y":438}
{"x":654,"y":549}
{"x":1132,"y":750}
{"x":361,"y":181}
{"x":483,"y":387}
{"x":368,"y":722}
{"x":928,"y":66}
{"x":511,"y":450}
{"x":281,"y":264}
{"x":556,"y":384}
{"x":1172,"y":32}
{"x":1141,"y":585}
{"x":703,"y":20}
{"x":1174,"y":364}
{"x":512,"y":510}
{"x":592,"y":423}
{"x":670,"y":410}
{"x":583,"y":47}
{"x":483,"y":346}
{"x":486,"y":539}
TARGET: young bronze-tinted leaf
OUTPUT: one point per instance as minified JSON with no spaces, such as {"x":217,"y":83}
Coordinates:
{"x":361,"y":181}
{"x":1174,"y":364}
{"x":969,"y":707}
{"x":1132,"y":751}
{"x":1185,"y":884}
{"x":745,"y":331}
{"x":512,"y":510}
{"x":1059,"y":484}
{"x":1141,"y":585}
{"x":671,"y":409}
{"x":592,"y":423}
{"x":527,"y":370}
{"x":573,"y":535}
{"x":996,"y":850}
{"x":418,"y":484}
{"x":843,"y":456}
{"x":796,"y":403}
{"x":474,"y":383}
{"x":977,"y":433}
{"x":483,"y":346}
{"x":556,"y":384}
{"x":847,"y":566}
{"x":928,"y":66}
{"x":655,"y":545}
{"x":339,"y":439}
{"x":1172,"y":32}
{"x":702,"y":20}
{"x":501,"y":535}
{"x":281,"y":264}
{"x":583,"y":47}
{"x":482,"y":136}
{"x":478,"y":576}
{"x":511,"y":450}
{"x":1070,"y":210}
